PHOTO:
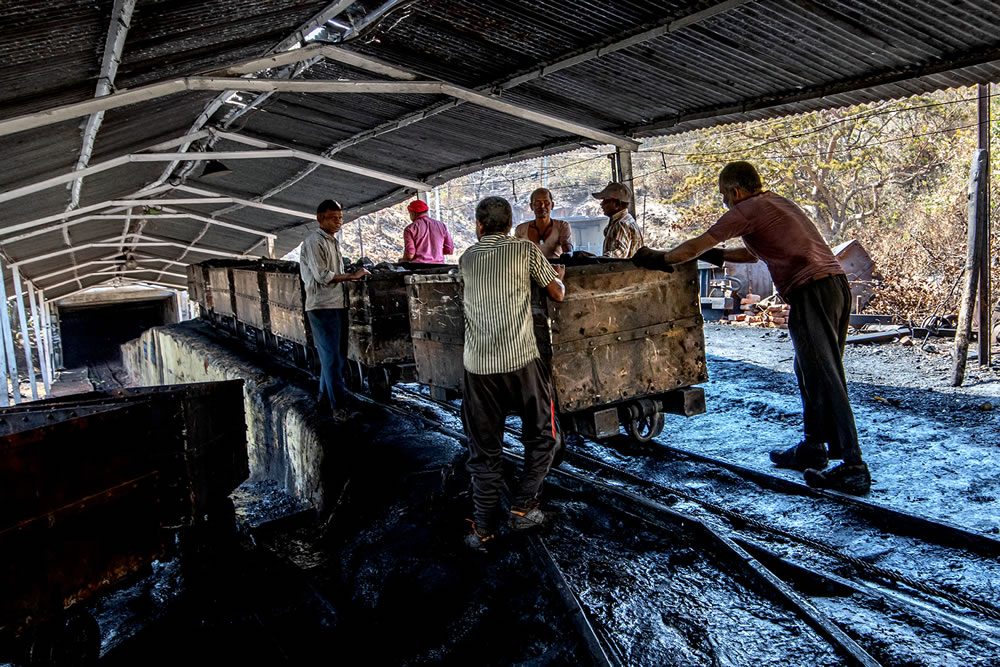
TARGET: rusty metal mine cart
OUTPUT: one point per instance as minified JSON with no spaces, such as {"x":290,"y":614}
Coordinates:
{"x":625,"y":347}
{"x":93,"y":488}
{"x":379,"y":346}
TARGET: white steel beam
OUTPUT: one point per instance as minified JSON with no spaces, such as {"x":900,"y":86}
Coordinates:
{"x":79,"y":173}
{"x":321,"y":160}
{"x":153,"y":91}
{"x":47,"y":335}
{"x":121,"y":19}
{"x":25,"y":339}
{"x":126,"y":217}
{"x":104,"y":243}
{"x":165,"y":285}
{"x":8,"y":343}
{"x":28,"y":224}
{"x":43,"y":361}
{"x":246,"y":202}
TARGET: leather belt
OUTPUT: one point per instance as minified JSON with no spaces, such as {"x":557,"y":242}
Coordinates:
{"x":819,"y":276}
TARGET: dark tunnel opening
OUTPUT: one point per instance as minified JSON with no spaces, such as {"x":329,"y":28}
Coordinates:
{"x":93,"y":333}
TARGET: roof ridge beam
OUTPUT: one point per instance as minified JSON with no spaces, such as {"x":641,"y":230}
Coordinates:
{"x":121,"y":20}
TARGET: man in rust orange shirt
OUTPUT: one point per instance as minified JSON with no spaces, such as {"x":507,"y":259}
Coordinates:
{"x":811,"y":280}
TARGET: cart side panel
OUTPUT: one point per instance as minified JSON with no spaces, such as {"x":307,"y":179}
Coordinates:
{"x":437,"y":324}
{"x":286,"y":302}
{"x":623,"y":333}
{"x":249,"y":304}
{"x":379,"y":329}
{"x":221,"y":290}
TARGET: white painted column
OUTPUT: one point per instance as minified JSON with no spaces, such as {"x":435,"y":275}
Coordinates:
{"x":43,"y":361}
{"x":8,"y":340}
{"x":25,"y":338}
{"x":4,"y":388}
{"x":47,"y":335}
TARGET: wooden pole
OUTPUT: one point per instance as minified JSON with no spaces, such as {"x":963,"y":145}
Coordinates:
{"x":983,"y":232}
{"x":972,"y":267}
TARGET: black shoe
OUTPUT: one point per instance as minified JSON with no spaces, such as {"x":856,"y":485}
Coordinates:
{"x":800,"y":457}
{"x":528,"y":518}
{"x":476,"y":540}
{"x":852,"y":478}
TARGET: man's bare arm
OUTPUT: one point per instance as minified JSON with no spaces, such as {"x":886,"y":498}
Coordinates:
{"x":556,"y":289}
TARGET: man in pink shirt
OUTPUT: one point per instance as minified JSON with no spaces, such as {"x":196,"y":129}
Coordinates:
{"x":425,"y":240}
{"x":811,"y":280}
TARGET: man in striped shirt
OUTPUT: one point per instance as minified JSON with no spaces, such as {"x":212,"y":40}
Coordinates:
{"x":503,"y":369}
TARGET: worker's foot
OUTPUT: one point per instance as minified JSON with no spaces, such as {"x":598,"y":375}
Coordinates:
{"x":853,"y":478}
{"x":528,"y":518}
{"x":800,"y":457}
{"x":476,"y":540}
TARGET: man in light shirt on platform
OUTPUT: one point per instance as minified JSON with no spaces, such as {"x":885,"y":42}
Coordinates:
{"x":322,"y":269}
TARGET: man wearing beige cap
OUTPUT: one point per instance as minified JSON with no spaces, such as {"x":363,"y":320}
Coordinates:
{"x":622,"y":236}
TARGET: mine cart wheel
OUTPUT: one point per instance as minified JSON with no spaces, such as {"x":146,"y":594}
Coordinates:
{"x":644,"y":429}
{"x":353,"y":375}
{"x":71,"y":640}
{"x":380,"y":383}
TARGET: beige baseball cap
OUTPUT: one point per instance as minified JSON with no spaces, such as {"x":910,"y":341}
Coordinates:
{"x":613,"y":190}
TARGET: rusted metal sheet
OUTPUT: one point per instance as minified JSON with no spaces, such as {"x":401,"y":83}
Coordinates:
{"x":437,"y":325}
{"x":286,"y":303}
{"x":88,"y":484}
{"x":860,"y":270}
{"x":220,"y":291}
{"x":196,"y":284}
{"x":621,"y":333}
{"x":379,"y":321}
{"x":250,"y":306}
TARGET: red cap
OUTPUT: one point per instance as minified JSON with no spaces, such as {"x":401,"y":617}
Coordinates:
{"x":417,"y":206}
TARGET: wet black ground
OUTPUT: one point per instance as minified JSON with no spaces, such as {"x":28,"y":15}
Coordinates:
{"x":385,"y":581}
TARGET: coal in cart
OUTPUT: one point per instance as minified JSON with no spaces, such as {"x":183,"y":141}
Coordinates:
{"x":379,"y":346}
{"x":625,"y":347}
{"x":93,"y":488}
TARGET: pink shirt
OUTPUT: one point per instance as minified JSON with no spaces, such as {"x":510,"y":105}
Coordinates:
{"x":778,"y":232}
{"x":427,"y":240}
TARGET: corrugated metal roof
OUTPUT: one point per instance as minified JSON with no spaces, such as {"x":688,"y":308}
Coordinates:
{"x":722,"y":62}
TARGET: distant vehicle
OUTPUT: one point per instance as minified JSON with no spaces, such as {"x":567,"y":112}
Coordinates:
{"x":587,"y":233}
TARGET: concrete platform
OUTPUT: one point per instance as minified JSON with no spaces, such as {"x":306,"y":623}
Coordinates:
{"x":288,"y":440}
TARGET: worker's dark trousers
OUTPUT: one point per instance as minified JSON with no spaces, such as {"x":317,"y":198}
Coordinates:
{"x":486,"y":400}
{"x":327,"y":330}
{"x":817,"y":323}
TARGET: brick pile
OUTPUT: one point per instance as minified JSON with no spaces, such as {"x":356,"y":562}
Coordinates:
{"x":770,"y":312}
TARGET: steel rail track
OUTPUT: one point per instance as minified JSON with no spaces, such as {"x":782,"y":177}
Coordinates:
{"x":891,"y":520}
{"x":641,"y":508}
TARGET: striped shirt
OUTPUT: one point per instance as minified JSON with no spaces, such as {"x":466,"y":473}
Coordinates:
{"x":622,"y":236}
{"x":319,"y":261}
{"x":497,"y":272}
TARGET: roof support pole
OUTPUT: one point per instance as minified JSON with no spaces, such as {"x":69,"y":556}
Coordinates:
{"x":47,"y":335}
{"x":623,"y":165}
{"x":983,"y":232}
{"x":121,"y":18}
{"x":4,"y":387}
{"x":43,"y":361}
{"x":973,"y":267}
{"x":8,"y":341}
{"x":25,"y":338}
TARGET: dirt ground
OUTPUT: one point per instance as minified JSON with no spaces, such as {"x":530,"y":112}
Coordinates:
{"x":932,"y":448}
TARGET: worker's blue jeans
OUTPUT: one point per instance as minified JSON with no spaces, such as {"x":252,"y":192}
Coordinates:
{"x":327,"y":330}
